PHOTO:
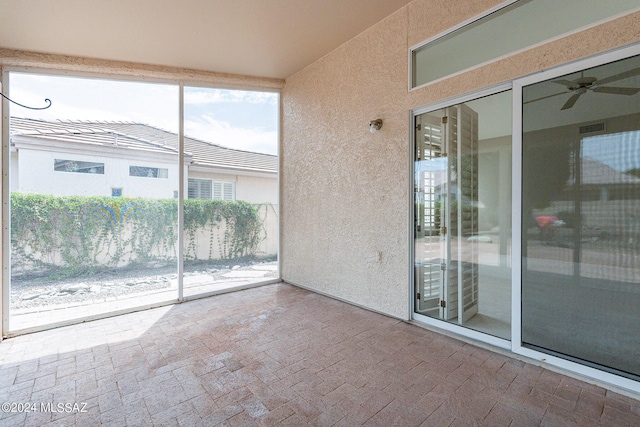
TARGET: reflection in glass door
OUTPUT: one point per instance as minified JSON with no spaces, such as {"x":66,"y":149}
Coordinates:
{"x":581,"y":217}
{"x":430,"y":243}
{"x":461,"y":243}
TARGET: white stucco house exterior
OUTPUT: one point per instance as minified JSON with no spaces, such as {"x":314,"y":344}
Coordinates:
{"x":132,"y":160}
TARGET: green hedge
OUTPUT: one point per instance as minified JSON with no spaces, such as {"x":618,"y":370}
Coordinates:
{"x":78,"y":235}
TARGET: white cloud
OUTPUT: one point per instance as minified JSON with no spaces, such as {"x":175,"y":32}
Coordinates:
{"x":58,"y":110}
{"x":159,"y":111}
{"x":222,"y":133}
{"x":218,"y":96}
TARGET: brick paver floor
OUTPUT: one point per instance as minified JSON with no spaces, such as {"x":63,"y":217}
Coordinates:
{"x":280,"y":355}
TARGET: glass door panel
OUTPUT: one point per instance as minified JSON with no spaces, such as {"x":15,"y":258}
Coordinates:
{"x":462,"y":158}
{"x":581,"y":216}
{"x":430,"y":240}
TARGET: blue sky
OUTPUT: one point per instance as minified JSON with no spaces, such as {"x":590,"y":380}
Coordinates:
{"x":243,"y":120}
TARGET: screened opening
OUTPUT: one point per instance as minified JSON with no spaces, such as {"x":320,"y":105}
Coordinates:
{"x":108,"y":241}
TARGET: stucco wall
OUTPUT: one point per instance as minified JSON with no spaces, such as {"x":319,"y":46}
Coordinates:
{"x":345,"y":192}
{"x":257,"y":189}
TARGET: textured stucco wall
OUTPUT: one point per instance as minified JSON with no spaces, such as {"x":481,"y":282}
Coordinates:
{"x":345,"y":192}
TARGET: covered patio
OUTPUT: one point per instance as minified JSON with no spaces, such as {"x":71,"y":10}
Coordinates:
{"x":281,"y":355}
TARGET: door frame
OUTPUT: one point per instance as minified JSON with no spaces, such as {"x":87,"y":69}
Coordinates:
{"x":431,"y":322}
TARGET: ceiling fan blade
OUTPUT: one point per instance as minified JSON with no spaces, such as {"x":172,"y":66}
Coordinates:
{"x":563,"y":82}
{"x":629,"y":73}
{"x":572,"y":100}
{"x":545,"y":97}
{"x":617,"y":90}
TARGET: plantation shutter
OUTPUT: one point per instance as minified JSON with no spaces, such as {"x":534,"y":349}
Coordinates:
{"x":192,"y":193}
{"x":205,"y":189}
{"x":217,"y":190}
{"x":228,"y":191}
{"x":199,"y":189}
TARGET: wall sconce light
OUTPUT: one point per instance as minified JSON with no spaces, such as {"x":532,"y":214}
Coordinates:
{"x":375,"y":125}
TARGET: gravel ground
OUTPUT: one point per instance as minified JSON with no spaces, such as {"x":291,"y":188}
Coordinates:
{"x":30,"y":293}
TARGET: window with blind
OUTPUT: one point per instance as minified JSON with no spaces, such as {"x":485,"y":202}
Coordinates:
{"x":209,"y":189}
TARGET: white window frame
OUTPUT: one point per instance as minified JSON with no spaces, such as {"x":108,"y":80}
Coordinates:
{"x":97,"y":164}
{"x":461,"y":331}
{"x":158,"y":171}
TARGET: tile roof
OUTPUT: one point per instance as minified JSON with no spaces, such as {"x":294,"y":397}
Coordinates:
{"x":595,"y":172}
{"x":143,"y":137}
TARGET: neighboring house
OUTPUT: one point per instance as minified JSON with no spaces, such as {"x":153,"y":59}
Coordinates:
{"x":132,"y":160}
{"x":601,"y":182}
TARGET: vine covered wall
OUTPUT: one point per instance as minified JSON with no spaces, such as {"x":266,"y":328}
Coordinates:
{"x":73,"y":235}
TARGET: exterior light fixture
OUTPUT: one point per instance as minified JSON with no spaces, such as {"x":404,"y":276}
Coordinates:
{"x":375,"y":125}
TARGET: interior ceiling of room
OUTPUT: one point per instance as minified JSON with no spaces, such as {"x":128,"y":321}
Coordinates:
{"x":264,"y":38}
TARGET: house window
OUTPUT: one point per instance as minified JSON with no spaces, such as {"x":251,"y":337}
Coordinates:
{"x":148,"y":172}
{"x":486,"y":38}
{"x":116,"y":192}
{"x":77,"y":166}
{"x":224,"y":190}
{"x":208,"y":189}
{"x":199,"y":189}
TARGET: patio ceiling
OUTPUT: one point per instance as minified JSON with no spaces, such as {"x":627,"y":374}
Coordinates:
{"x":265,"y":38}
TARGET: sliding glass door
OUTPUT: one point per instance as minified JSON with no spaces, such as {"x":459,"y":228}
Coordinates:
{"x":462,"y":214}
{"x":575,"y":165}
{"x":581,"y":217}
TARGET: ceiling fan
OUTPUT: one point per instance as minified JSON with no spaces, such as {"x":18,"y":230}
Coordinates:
{"x":583,"y":84}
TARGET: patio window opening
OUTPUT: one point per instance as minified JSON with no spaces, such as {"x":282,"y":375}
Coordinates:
{"x":233,"y":138}
{"x":83,"y":248}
